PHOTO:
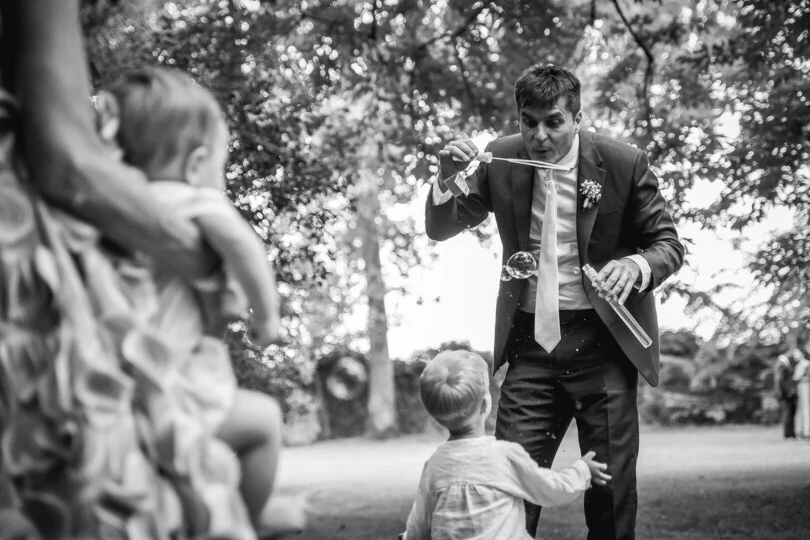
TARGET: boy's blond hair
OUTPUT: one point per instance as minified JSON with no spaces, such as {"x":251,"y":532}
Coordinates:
{"x":453,"y":385}
{"x":163,"y":114}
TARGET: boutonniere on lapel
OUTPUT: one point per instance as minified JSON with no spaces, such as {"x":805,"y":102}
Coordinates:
{"x":592,"y":192}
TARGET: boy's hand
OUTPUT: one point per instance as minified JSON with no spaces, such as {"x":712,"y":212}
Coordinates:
{"x":598,"y":474}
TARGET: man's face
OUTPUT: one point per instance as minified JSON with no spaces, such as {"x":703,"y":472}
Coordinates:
{"x":548,"y":132}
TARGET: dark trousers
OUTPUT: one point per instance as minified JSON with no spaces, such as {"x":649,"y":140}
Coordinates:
{"x":586,"y":377}
{"x":789,"y":417}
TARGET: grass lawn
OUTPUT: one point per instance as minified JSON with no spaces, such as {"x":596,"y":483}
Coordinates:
{"x":694,"y":484}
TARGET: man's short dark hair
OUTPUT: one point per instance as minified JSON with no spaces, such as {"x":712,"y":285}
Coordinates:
{"x":543,"y":84}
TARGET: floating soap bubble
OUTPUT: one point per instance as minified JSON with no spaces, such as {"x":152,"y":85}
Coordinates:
{"x":347,"y":379}
{"x":505,"y":275}
{"x":521,"y":265}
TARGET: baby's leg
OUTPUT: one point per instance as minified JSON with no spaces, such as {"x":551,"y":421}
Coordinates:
{"x":253,"y":430}
{"x":284,"y":515}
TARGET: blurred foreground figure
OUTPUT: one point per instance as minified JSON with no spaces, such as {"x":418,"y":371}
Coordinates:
{"x":94,"y":445}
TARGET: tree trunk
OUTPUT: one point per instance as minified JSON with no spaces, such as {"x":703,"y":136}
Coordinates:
{"x":381,"y":400}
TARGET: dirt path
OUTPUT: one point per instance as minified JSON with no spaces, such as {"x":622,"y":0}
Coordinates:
{"x":694,"y":484}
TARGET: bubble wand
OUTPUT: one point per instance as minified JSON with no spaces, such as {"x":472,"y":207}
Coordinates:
{"x":457,"y":185}
{"x":487,"y":157}
{"x":620,"y":310}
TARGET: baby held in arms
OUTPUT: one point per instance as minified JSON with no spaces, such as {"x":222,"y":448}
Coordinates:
{"x":163,"y":123}
{"x":473,"y":486}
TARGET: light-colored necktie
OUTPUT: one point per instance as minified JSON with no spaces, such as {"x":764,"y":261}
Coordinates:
{"x":547,"y":304}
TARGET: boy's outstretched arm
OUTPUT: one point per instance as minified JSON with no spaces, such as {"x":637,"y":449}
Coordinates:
{"x":546,"y":487}
{"x":68,"y":163}
{"x":245,"y":259}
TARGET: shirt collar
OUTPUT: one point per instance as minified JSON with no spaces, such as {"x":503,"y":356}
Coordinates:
{"x":570,"y":159}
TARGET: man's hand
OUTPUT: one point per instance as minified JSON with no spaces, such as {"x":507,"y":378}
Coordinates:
{"x":454,"y":157}
{"x":618,"y":277}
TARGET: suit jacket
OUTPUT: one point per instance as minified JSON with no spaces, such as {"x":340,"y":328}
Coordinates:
{"x":631,"y":217}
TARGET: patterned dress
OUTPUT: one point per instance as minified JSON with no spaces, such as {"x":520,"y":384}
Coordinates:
{"x":111,"y":390}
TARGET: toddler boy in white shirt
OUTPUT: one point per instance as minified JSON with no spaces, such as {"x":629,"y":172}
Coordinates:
{"x":473,"y":486}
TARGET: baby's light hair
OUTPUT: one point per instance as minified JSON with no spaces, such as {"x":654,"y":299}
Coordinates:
{"x":163,"y":114}
{"x":453,"y":385}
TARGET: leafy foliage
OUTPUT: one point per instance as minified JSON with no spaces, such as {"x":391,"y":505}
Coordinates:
{"x":701,"y":383}
{"x":319,"y":91}
{"x":726,"y":105}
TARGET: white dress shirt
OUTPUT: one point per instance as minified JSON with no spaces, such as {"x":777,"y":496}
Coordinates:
{"x":572,"y":292}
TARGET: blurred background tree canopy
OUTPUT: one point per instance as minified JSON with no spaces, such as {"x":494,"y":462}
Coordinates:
{"x":338,"y":108}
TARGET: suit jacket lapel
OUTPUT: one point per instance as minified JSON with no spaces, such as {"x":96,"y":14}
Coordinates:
{"x":589,"y":162}
{"x":522,"y":189}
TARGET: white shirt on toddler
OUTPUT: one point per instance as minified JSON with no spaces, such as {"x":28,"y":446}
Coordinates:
{"x":473,"y":489}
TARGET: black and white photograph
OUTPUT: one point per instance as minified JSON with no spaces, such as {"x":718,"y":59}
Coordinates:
{"x":404,"y":270}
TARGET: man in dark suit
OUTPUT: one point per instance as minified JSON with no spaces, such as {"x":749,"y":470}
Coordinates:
{"x":569,"y":354}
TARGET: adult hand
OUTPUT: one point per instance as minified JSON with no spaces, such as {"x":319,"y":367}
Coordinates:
{"x":618,"y":277}
{"x":455,"y":156}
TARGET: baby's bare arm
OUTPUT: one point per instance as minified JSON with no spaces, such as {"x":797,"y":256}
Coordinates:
{"x":241,"y":249}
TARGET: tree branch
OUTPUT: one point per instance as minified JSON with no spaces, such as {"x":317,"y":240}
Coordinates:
{"x":467,"y":86}
{"x":648,"y":72}
{"x":455,"y":33}
{"x":372,"y":36}
{"x":331,"y":23}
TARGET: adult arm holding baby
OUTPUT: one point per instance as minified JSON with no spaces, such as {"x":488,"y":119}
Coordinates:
{"x":79,"y":170}
{"x":80,"y":175}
